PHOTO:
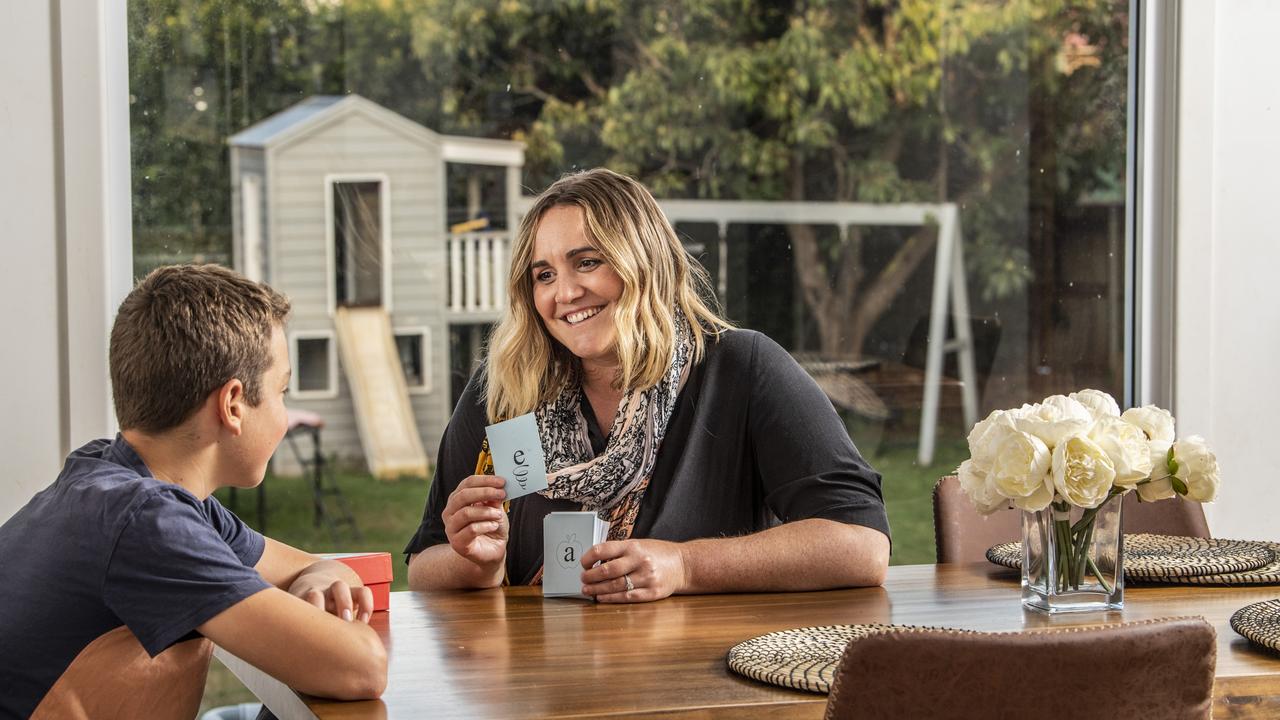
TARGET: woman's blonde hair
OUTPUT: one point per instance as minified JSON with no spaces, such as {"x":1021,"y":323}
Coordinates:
{"x":527,"y":367}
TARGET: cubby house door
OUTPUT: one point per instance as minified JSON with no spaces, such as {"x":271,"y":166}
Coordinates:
{"x":358,"y":242}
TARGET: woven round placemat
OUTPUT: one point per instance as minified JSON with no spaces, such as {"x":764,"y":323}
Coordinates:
{"x":1268,"y":574}
{"x":802,"y":658}
{"x":1172,"y":558}
{"x":1008,"y":554}
{"x":1260,"y":622}
{"x":1163,"y":557}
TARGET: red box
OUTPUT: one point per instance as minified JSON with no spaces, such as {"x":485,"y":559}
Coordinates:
{"x":374,"y":570}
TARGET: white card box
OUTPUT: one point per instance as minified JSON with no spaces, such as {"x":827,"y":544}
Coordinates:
{"x":565,"y":537}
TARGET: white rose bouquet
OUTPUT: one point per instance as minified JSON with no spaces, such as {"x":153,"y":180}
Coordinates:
{"x":1080,"y":450}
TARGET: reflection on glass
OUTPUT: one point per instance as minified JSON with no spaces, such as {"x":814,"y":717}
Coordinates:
{"x":357,"y":242}
{"x":410,"y":350}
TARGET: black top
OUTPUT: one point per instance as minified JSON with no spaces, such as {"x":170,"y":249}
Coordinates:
{"x":752,"y":441}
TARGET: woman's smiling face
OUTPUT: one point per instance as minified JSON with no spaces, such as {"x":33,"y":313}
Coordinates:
{"x":575,"y":291}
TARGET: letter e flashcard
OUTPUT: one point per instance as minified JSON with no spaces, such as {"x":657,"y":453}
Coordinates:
{"x":517,"y":455}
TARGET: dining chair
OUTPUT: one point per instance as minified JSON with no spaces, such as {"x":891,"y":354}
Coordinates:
{"x":962,"y":534}
{"x":1154,"y":668}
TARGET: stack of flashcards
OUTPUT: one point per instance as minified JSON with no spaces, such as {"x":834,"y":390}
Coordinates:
{"x":565,"y":537}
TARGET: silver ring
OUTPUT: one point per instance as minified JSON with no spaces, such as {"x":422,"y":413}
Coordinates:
{"x":627,"y":579}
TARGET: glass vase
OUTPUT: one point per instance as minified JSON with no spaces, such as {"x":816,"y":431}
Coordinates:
{"x":1073,"y":558}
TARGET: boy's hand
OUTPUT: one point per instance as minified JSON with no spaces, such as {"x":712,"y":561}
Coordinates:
{"x":334,"y":595}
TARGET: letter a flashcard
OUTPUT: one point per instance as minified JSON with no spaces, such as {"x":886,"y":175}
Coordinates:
{"x":517,"y":455}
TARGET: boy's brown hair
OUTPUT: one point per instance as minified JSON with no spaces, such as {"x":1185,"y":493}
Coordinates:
{"x":183,"y":332}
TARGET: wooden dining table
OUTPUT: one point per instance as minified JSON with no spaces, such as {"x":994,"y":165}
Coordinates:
{"x":508,"y":653}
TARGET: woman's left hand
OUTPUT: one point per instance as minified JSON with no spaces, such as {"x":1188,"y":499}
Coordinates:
{"x":655,"y":568}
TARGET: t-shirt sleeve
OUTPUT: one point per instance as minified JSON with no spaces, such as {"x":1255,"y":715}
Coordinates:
{"x":172,"y":570}
{"x":247,"y":543}
{"x":455,"y":461}
{"x":808,"y":464}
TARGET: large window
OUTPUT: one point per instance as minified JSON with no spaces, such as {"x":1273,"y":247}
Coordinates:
{"x":857,"y":142}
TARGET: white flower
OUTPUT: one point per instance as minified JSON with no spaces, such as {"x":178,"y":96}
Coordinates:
{"x":1127,"y":446}
{"x":1054,"y":419}
{"x":1020,"y":471}
{"x":1098,"y":403}
{"x":1156,"y":422}
{"x":1197,"y":468}
{"x":986,"y":436}
{"x":1038,"y":500}
{"x":982,"y":493}
{"x":1082,"y":472}
{"x":1161,"y":488}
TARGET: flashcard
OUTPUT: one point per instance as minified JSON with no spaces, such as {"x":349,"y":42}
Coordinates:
{"x":517,"y":455}
{"x":565,"y":537}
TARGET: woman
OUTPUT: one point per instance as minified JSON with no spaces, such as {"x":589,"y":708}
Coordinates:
{"x":692,"y":439}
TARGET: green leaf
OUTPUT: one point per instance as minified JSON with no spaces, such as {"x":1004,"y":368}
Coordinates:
{"x":1178,"y":486}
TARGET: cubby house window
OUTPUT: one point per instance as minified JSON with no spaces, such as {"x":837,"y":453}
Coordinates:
{"x":411,"y":346}
{"x":358,"y":241}
{"x":313,"y":367}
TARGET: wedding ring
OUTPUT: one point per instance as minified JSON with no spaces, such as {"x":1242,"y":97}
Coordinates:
{"x":627,"y":579}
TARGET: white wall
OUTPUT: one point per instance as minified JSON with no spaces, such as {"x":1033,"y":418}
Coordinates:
{"x":64,"y":141}
{"x":31,"y":429}
{"x":1227,"y":336}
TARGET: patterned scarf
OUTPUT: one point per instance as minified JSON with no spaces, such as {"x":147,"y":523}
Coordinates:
{"x":614,"y":483}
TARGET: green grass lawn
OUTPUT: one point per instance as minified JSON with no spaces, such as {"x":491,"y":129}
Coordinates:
{"x":908,"y":496}
{"x":387,"y":513}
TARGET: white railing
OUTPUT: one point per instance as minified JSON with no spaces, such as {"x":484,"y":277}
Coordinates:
{"x":478,"y":271}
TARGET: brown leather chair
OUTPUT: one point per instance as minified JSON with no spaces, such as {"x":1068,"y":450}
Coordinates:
{"x":961,"y":534}
{"x":1151,"y":669}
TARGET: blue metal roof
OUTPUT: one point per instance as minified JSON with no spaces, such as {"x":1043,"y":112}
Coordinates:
{"x":262,"y":133}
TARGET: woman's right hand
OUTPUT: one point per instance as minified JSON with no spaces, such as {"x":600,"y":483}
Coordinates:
{"x":474,"y":520}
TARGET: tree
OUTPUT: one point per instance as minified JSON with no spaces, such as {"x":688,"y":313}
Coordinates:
{"x":999,"y":106}
{"x":916,"y":100}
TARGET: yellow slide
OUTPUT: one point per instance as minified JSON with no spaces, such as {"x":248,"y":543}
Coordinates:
{"x":384,"y":417}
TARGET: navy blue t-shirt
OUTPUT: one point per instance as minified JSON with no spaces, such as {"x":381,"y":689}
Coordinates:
{"x":109,"y":545}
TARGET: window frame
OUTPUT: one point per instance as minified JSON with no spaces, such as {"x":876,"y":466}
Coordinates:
{"x":1150,"y":222}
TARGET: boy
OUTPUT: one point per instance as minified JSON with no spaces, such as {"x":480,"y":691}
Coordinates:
{"x":115,"y":575}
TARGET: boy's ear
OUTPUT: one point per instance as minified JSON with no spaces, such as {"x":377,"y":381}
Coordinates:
{"x":231,"y":406}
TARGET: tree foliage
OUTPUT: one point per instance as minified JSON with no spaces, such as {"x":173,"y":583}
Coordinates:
{"x":873,"y":100}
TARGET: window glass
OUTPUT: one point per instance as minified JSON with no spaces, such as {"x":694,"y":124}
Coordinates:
{"x":466,"y":351}
{"x":357,"y":240}
{"x":818,"y":158}
{"x":312,"y":369}
{"x":411,"y":349}
{"x":477,"y":197}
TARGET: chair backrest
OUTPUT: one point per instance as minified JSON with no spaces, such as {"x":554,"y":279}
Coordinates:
{"x":961,"y":534}
{"x":1174,"y":516}
{"x":1155,"y":668}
